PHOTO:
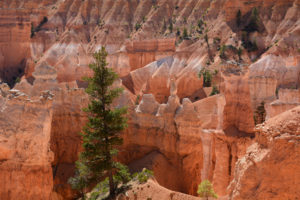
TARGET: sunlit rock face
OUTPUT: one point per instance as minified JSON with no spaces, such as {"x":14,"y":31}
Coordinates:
{"x":176,"y":127}
{"x":270,"y":161}
{"x":25,"y":147}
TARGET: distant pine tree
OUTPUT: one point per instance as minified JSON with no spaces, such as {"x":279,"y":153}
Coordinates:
{"x":101,"y":133}
{"x":238,"y":18}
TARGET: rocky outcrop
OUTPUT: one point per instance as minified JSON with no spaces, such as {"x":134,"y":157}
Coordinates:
{"x":186,"y":140}
{"x":268,"y":75}
{"x":25,"y":158}
{"x":270,"y":168}
{"x":238,"y":111}
{"x":141,"y":53}
{"x":152,"y":190}
{"x":287,"y":99}
{"x":54,"y":125}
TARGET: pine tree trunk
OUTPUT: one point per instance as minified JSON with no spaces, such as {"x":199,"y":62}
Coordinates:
{"x":111,"y":184}
{"x":110,"y":178}
{"x":110,"y":174}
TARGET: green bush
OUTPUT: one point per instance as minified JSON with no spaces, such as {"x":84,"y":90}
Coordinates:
{"x":143,"y":176}
{"x":214,"y":91}
{"x":207,"y":77}
{"x":137,"y":100}
{"x":185,"y":34}
{"x":137,"y":26}
{"x":18,"y":80}
{"x":205,"y":189}
{"x":222,"y":51}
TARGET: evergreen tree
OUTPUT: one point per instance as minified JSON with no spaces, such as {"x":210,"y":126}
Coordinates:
{"x":170,"y":26}
{"x":206,"y":190}
{"x":254,"y":21}
{"x":240,"y":52}
{"x":238,"y":18}
{"x":101,"y":133}
{"x":185,"y":34}
{"x":207,"y":77}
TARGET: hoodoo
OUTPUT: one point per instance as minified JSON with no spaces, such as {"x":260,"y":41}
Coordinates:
{"x":211,"y":90}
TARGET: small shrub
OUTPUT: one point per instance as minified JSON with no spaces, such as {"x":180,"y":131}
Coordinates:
{"x":214,"y":91}
{"x":200,"y":23}
{"x":217,"y":40}
{"x":170,"y":27}
{"x":178,"y":32}
{"x":144,"y":19}
{"x":222,"y":51}
{"x":207,"y":77}
{"x":155,"y":7}
{"x":137,"y":26}
{"x":100,"y":23}
{"x":205,"y":189}
{"x":185,"y":34}
{"x":18,"y":80}
{"x":216,"y":72}
{"x":206,"y":39}
{"x":276,"y":92}
{"x":137,"y":100}
{"x":240,"y":52}
{"x":143,"y":176}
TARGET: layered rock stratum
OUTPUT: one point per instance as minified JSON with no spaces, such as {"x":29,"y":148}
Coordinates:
{"x":175,"y":127}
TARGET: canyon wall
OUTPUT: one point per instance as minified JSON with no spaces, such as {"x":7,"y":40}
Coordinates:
{"x":175,"y":127}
